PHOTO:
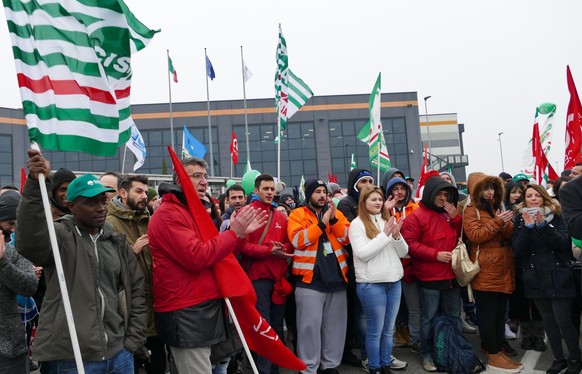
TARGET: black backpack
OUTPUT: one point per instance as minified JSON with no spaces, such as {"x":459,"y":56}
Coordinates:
{"x":451,"y":352}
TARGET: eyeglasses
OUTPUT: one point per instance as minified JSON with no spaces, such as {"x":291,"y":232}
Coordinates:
{"x":199,"y":176}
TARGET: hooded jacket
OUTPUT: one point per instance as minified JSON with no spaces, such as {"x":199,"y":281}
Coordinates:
{"x":83,"y":260}
{"x":349,"y":204}
{"x":409,"y":205}
{"x":389,"y":174}
{"x":491,"y":236}
{"x":428,"y":231}
{"x":133,"y":224}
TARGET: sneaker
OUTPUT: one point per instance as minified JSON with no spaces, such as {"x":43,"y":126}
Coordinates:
{"x":574,"y":367}
{"x":498,"y":362}
{"x":365,"y":366}
{"x":468,"y":328}
{"x":397,"y":364}
{"x":557,"y":366}
{"x":517,"y":364}
{"x":428,"y":365}
{"x":513,"y":325}
{"x":415,"y":347}
{"x":507,"y":349}
{"x":471,"y":318}
{"x":509,"y":335}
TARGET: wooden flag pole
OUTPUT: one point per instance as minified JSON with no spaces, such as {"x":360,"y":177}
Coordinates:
{"x":59,"y":269}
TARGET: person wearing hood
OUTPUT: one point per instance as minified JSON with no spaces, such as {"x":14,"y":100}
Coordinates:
{"x":104,"y":279}
{"x":449,"y":177}
{"x":264,"y":257}
{"x":188,"y":303}
{"x":432,"y":232}
{"x":399,"y":204}
{"x":319,"y":231}
{"x":17,"y":277}
{"x":58,"y":192}
{"x":128,"y":214}
{"x":488,"y":227}
{"x":389,"y":174}
{"x":357,"y":179}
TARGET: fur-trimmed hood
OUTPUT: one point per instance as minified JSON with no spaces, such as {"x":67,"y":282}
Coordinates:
{"x":478,"y":183}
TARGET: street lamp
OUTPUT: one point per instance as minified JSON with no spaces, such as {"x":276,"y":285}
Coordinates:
{"x":427,"y":128}
{"x":501,"y":150}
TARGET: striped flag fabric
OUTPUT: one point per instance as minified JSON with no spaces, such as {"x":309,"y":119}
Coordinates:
{"x":299,"y":94}
{"x":573,"y":125}
{"x":528,"y":162}
{"x":73,"y":63}
{"x":379,"y":157}
{"x":172,"y":70}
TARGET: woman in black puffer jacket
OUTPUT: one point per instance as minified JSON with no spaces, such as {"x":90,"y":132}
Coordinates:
{"x":543,"y":247}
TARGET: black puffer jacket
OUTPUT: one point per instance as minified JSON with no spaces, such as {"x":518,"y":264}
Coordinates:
{"x":544,"y":254}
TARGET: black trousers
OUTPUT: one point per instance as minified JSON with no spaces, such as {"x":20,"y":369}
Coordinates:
{"x":491,"y":309}
{"x":557,"y":317}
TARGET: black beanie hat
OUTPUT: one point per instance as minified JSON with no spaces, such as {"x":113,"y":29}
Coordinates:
{"x":311,"y":185}
{"x":9,"y":200}
{"x":61,"y":176}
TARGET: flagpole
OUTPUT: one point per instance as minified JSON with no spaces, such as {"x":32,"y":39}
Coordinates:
{"x":170,"y":96}
{"x":209,"y":125}
{"x":124,"y":154}
{"x":379,"y":148}
{"x":240,"y":334}
{"x":59,"y":269}
{"x":245,"y":104}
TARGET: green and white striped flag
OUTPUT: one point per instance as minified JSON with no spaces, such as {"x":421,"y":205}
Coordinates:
{"x":353,"y":164}
{"x":291,"y":93}
{"x":73,"y":67}
{"x":376,"y":141}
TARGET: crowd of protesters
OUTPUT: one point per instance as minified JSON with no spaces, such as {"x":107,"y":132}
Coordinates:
{"x":342,"y":276}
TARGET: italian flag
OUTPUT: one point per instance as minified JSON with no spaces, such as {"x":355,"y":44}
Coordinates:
{"x":73,"y":63}
{"x":172,"y":70}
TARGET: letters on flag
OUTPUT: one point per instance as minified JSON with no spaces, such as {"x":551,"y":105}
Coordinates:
{"x":191,"y":147}
{"x":137,"y":146}
{"x":573,"y":126}
{"x":73,"y":63}
{"x":234,"y":148}
{"x":235,"y":285}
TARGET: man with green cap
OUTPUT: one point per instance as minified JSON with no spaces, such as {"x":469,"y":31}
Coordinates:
{"x":104,"y":280}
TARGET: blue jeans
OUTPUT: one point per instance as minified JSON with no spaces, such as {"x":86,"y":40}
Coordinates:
{"x":432,"y":301}
{"x":380,"y":302}
{"x":121,"y":363}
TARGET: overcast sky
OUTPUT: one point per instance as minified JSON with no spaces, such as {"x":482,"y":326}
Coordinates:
{"x":492,"y":62}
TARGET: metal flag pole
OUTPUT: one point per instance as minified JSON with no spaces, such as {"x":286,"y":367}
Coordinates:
{"x":208,"y":106}
{"x":245,"y":105}
{"x":59,"y":269}
{"x":170,"y":95}
{"x":124,"y":154}
{"x":240,"y":334}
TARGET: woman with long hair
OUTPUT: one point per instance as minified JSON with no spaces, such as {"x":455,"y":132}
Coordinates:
{"x":377,"y":247}
{"x":488,"y":228}
{"x":542,"y":244}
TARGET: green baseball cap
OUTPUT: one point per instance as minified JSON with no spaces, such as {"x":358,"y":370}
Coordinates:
{"x":520,"y":177}
{"x":87,"y":186}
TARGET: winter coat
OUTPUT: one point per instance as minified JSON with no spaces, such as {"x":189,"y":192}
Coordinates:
{"x":349,"y":204}
{"x":256,"y":258}
{"x":429,"y":230}
{"x":133,"y":224}
{"x":544,"y":254}
{"x":92,"y":303}
{"x":376,"y":260}
{"x":571,"y":200}
{"x":16,"y":277}
{"x":491,"y":236}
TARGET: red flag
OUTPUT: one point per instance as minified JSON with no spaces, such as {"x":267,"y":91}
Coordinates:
{"x":22,"y":178}
{"x":422,"y":179}
{"x":573,"y":125}
{"x":234,"y":148}
{"x":541,"y":161}
{"x":235,"y":284}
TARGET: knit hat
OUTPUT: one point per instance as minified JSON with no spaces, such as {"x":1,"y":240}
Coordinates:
{"x":311,"y":185}
{"x":87,"y":186}
{"x":59,"y":177}
{"x":333,"y":187}
{"x":9,"y":200}
{"x":505,"y":176}
{"x":363,"y":174}
{"x":151,"y":193}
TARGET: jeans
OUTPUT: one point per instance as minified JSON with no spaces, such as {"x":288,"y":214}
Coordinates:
{"x":221,"y":367}
{"x":380,"y":302}
{"x":431,"y":301}
{"x":121,"y":363}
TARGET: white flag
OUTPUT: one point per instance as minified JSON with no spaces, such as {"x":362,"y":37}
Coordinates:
{"x":247,"y":73}
{"x":137,"y":146}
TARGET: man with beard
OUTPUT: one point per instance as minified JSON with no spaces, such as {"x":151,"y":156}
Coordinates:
{"x":235,"y":195}
{"x":58,"y":192}
{"x":127,"y":212}
{"x":103,"y":277}
{"x":318,"y":232}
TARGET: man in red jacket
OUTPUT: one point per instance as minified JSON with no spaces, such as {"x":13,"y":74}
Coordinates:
{"x":432,"y":232}
{"x":187,"y":300}
{"x":264,"y":258}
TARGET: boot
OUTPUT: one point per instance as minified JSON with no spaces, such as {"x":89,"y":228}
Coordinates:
{"x":574,"y":367}
{"x":527,"y":341}
{"x":516,"y":364}
{"x":539,"y":333}
{"x":557,"y":366}
{"x":401,"y":336}
{"x":499,"y":363}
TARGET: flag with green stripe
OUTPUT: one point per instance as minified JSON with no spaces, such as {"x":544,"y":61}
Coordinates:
{"x":379,"y":157}
{"x":73,"y":64}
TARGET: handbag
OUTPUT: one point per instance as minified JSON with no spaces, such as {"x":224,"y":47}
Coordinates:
{"x":464,"y":269}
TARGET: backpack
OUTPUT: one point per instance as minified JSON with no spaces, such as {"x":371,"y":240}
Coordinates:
{"x":451,"y":352}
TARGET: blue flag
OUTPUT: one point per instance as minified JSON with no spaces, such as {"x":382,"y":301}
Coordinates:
{"x":209,"y":69}
{"x":191,"y":147}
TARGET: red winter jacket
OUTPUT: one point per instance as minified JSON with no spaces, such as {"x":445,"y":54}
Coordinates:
{"x":257,"y":260}
{"x":182,"y":263}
